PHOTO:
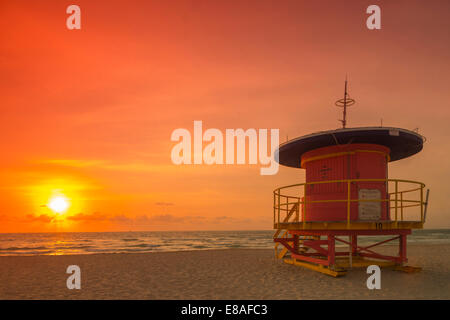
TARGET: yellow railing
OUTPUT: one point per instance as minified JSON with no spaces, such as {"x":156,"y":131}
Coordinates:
{"x":289,"y":198}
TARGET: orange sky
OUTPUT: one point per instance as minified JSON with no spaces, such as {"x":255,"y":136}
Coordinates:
{"x":89,"y":113}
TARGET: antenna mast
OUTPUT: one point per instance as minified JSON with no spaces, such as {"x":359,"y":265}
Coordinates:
{"x":344,"y":103}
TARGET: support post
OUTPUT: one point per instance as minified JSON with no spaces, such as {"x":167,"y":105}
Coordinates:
{"x":354,"y":244}
{"x":348,"y":204}
{"x":402,"y":252}
{"x":350,"y":251}
{"x":295,"y":244}
{"x":331,"y":250}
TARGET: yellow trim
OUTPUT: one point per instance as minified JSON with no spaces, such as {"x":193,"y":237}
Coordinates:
{"x":354,"y":225}
{"x":407,"y":269}
{"x":325,"y":156}
{"x":342,"y":265}
{"x":289,"y":204}
{"x":337,"y":154}
{"x":316,"y":267}
{"x":359,"y":262}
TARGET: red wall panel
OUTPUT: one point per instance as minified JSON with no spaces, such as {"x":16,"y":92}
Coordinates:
{"x":340,"y":162}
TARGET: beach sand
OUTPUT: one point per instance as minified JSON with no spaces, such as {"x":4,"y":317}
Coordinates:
{"x":216,"y":274}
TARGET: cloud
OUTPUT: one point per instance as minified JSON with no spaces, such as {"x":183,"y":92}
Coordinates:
{"x":121,"y":219}
{"x":156,"y":219}
{"x":107,"y":165}
{"x":73,"y":162}
{"x":145,"y":220}
{"x":227,"y":219}
{"x":164,"y":203}
{"x":96,"y":216}
{"x":29,"y":218}
{"x":164,"y":218}
{"x":40,"y":218}
{"x":222,"y":218}
{"x":168,"y":218}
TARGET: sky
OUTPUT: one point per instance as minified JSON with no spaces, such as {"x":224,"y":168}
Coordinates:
{"x":87,"y":115}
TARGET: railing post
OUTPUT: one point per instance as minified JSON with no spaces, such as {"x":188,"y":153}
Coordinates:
{"x":274,"y":206}
{"x":287,"y":208}
{"x":348,"y":204}
{"x":279,"y":206}
{"x":304,"y":206}
{"x":421,"y":203}
{"x":396,"y":199}
{"x":401,"y":206}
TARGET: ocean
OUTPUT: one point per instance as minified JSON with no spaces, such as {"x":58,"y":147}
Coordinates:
{"x":65,"y":243}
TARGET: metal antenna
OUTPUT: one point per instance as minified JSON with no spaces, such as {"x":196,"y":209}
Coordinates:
{"x":344,"y":103}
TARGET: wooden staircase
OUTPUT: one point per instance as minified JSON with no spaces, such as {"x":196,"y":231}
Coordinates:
{"x":280,"y":254}
{"x":284,"y":232}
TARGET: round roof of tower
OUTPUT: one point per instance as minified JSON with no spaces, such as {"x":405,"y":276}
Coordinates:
{"x":402,"y":143}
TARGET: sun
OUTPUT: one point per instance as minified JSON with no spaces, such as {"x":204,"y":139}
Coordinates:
{"x":58,"y":204}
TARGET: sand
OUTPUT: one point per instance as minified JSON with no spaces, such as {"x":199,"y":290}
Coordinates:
{"x":216,"y":274}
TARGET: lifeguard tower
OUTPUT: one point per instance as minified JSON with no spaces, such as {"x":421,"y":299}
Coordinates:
{"x":347,"y":194}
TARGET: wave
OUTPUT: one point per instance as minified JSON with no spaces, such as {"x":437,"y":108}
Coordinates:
{"x":141,"y":242}
{"x":70,"y":247}
{"x":145,"y":245}
{"x":23,"y":248}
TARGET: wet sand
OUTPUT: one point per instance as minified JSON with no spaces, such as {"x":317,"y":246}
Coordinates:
{"x":216,"y":274}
